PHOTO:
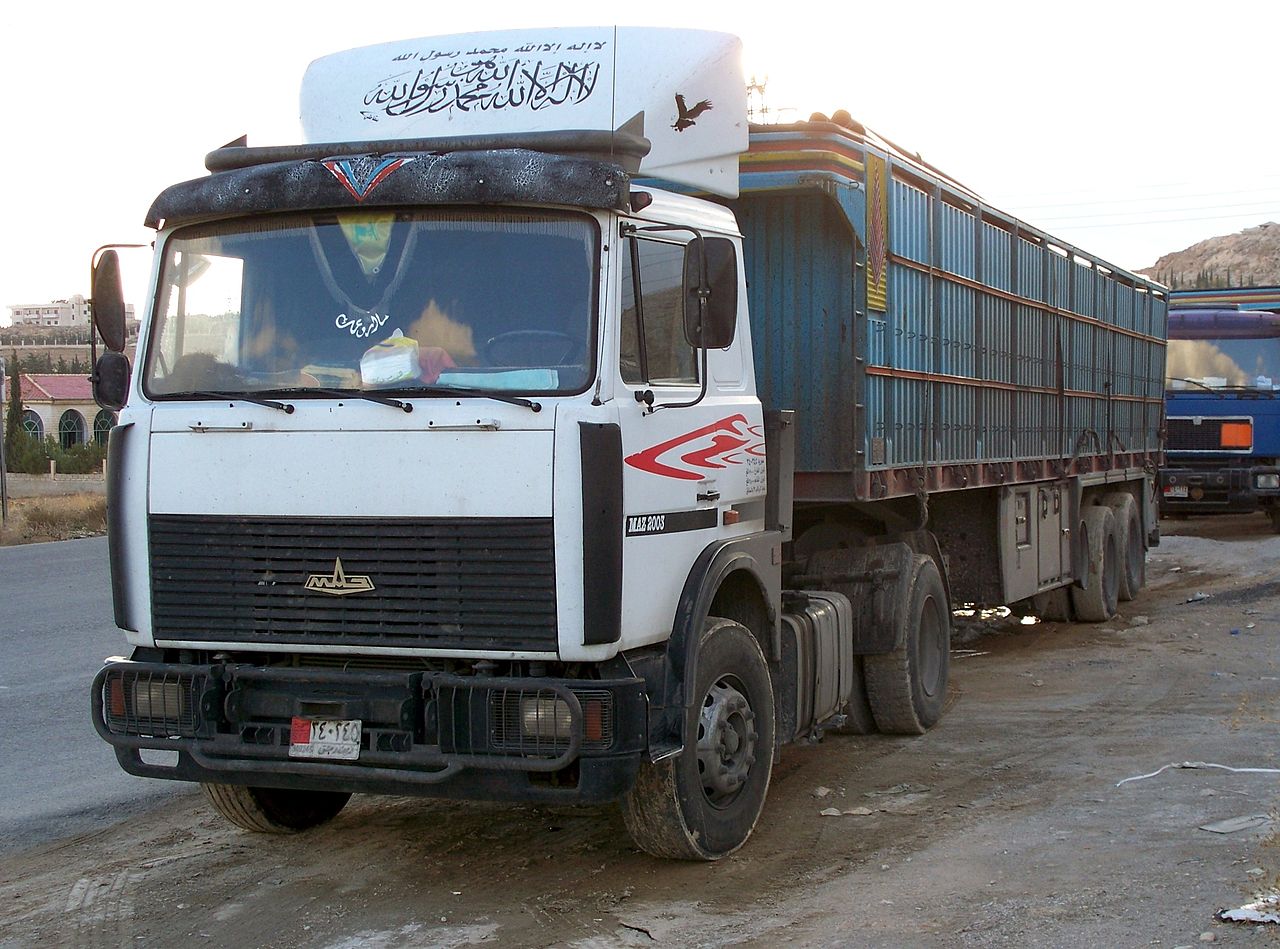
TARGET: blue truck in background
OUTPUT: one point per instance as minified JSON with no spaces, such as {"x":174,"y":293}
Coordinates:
{"x":1222,"y":449}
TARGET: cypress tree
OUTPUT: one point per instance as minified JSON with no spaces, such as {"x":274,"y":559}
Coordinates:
{"x":13,"y":418}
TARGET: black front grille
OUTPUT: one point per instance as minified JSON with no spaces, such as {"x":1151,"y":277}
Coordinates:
{"x":1185,"y":435}
{"x":465,"y":583}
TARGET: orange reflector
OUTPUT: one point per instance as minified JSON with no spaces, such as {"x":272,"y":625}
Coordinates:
{"x":731,"y":517}
{"x":1237,"y":435}
{"x":593,"y":715}
{"x":115,"y":696}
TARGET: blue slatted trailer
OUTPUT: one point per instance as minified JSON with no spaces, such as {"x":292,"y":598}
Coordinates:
{"x":934,"y":346}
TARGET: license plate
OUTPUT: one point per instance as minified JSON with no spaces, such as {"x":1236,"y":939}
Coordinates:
{"x":325,"y":738}
{"x":1175,"y":490}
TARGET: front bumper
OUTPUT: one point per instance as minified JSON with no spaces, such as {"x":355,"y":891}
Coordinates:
{"x":423,"y":733}
{"x":1230,"y":489}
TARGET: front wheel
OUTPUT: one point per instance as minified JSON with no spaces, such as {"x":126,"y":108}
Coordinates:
{"x":703,"y":803}
{"x":274,"y":810}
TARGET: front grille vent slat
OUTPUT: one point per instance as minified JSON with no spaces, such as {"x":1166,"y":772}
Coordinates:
{"x":464,"y":583}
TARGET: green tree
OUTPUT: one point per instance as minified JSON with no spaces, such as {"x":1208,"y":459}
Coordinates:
{"x":13,"y":418}
{"x":22,"y":452}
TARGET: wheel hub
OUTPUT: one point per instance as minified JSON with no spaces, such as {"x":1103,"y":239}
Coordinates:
{"x":726,"y":741}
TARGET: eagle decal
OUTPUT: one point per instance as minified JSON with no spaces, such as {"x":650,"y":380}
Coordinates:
{"x":688,"y":115}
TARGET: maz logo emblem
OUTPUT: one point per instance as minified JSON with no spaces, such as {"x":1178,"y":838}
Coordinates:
{"x":338,"y":583}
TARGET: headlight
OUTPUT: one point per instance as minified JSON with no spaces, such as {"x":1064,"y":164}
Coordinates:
{"x":1267,"y":480}
{"x":545,"y":718}
{"x":158,"y":699}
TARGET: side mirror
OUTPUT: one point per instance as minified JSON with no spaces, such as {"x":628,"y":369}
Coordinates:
{"x":108,"y":302}
{"x":710,"y":263}
{"x":111,"y":380}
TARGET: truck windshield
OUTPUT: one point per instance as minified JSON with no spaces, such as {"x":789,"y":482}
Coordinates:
{"x":428,"y":300}
{"x":1216,"y":349}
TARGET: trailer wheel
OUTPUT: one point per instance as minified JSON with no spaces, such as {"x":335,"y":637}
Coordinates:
{"x":274,"y":810}
{"x":1102,"y":545}
{"x":703,"y":803}
{"x":908,"y":686}
{"x":1133,"y":576}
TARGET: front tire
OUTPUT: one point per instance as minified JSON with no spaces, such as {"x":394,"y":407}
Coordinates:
{"x":703,"y":803}
{"x":274,"y":810}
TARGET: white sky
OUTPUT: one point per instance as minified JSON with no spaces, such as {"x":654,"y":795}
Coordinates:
{"x":1130,"y":129}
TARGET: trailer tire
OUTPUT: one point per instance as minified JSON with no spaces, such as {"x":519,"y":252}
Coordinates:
{"x":274,"y":810}
{"x":1102,"y":548}
{"x":1133,"y":575}
{"x":908,"y":687}
{"x":703,"y":803}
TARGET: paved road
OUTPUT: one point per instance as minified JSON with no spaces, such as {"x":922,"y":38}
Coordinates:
{"x":57,"y":777}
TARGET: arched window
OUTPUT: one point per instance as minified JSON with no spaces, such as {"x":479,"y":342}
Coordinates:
{"x":102,"y":423}
{"x":71,"y":428}
{"x":32,"y":425}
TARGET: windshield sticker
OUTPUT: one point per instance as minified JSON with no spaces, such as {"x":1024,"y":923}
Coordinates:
{"x":361,"y":175}
{"x":361,"y":327}
{"x":688,"y":457}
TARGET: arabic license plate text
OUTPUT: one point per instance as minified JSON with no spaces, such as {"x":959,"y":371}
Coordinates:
{"x":325,"y":738}
{"x":1175,"y":490}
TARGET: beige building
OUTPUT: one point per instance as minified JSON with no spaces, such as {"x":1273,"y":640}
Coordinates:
{"x":73,"y":312}
{"x":62,"y":406}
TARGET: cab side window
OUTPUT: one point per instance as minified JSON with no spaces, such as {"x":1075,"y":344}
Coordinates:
{"x":654,"y":350}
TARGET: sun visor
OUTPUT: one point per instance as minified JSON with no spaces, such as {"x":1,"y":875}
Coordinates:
{"x":686,"y":84}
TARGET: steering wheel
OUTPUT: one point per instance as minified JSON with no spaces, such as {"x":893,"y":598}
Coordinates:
{"x":533,"y":348}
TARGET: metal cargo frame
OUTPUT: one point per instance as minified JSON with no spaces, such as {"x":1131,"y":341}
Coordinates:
{"x":928,"y":341}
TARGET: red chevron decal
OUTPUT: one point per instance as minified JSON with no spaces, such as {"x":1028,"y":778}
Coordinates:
{"x":691,"y":456}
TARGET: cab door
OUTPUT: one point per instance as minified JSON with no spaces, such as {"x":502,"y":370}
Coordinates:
{"x":694,"y":466}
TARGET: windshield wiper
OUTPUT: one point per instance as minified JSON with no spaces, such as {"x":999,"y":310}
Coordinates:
{"x":343,"y":394}
{"x":242,"y":397}
{"x":435,"y":391}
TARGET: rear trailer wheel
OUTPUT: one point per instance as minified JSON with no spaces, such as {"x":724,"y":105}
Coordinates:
{"x":703,"y":803}
{"x":1102,"y":547}
{"x":274,"y":810}
{"x":1133,"y":551}
{"x":908,"y":687}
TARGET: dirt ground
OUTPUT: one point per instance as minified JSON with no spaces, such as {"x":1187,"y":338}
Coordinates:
{"x":1004,"y":826}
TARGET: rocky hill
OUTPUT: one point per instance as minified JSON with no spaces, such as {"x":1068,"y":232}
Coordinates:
{"x":1250,"y":258}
